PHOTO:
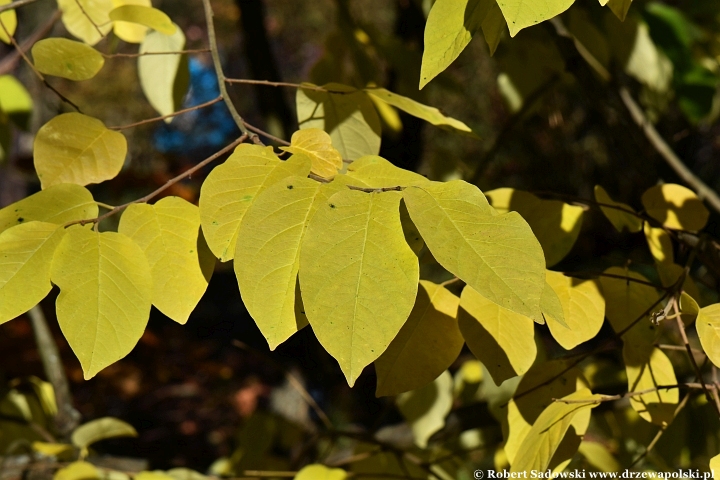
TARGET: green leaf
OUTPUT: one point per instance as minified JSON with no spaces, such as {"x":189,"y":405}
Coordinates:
{"x":164,"y":78}
{"x":58,"y":204}
{"x":708,"y":329}
{"x":130,"y":32}
{"x":317,"y":144}
{"x":503,"y":340}
{"x":67,"y":58}
{"x":75,"y":148}
{"x":345,"y":113}
{"x":101,"y":429}
{"x":497,"y":255}
{"x":9,"y":21}
{"x":626,"y":300}
{"x":583,"y":306}
{"x":358,"y":276}
{"x":675,"y":207}
{"x":430,"y":114}
{"x":102,"y":327}
{"x":547,"y":432}
{"x":648,"y":369}
{"x":556,"y":224}
{"x":230,"y":188}
{"x":520,"y":14}
{"x":87,"y":20}
{"x":376,"y":172}
{"x":427,"y":344}
{"x":26,"y":253}
{"x":168,"y":234}
{"x":550,"y":305}
{"x":425,"y":409}
{"x":267,"y":255}
{"x":78,"y":471}
{"x":15,"y":101}
{"x":647,"y":63}
{"x":449,"y":29}
{"x":628,"y":220}
{"x":142,"y":15}
{"x":320,"y":472}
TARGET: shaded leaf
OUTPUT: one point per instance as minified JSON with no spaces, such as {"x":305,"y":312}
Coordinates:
{"x":358,"y":276}
{"x":625,"y":300}
{"x":708,"y":329}
{"x":164,"y":78}
{"x":15,"y":101}
{"x":168,"y":234}
{"x":675,"y":207}
{"x":627,"y":220}
{"x":104,"y":327}
{"x":67,"y":58}
{"x":87,"y":20}
{"x":583,"y":306}
{"x":144,"y":15}
{"x":317,"y":144}
{"x":427,"y":344}
{"x":647,"y":369}
{"x":599,"y":456}
{"x":497,"y":255}
{"x":101,"y":429}
{"x":75,"y":148}
{"x":425,"y":409}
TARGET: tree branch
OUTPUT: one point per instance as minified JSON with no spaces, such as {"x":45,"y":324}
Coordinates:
{"x":170,"y":115}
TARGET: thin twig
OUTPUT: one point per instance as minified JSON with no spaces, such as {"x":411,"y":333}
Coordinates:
{"x":265,"y":134}
{"x":9,"y":63}
{"x":219,"y":71}
{"x":376,"y":190}
{"x":142,"y":54}
{"x":170,"y":115}
{"x":82,"y":9}
{"x":620,"y":396}
{"x":612,"y":275}
{"x":164,"y":187}
{"x":16,"y":4}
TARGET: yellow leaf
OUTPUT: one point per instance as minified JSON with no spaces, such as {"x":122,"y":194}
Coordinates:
{"x":267,"y":256}
{"x":497,"y":255}
{"x":412,"y":234}
{"x":503,"y":340}
{"x":345,"y":113}
{"x":164,"y":78}
{"x":647,"y":369}
{"x":168,"y":234}
{"x":78,"y":471}
{"x":75,"y":148}
{"x":675,"y":207}
{"x":619,"y":7}
{"x":430,"y":114}
{"x":425,"y":409}
{"x":551,"y":306}
{"x":715,"y":464}
{"x":317,"y":144}
{"x":126,"y":31}
{"x":427,"y":344}
{"x":660,"y":245}
{"x":87,"y":19}
{"x":520,"y":14}
{"x":583,"y":306}
{"x":358,"y":276}
{"x":621,"y":220}
{"x":708,"y":329}
{"x":144,"y":15}
{"x":52,"y":449}
{"x":67,"y":58}
{"x":548,"y":431}
{"x":230,"y":188}
{"x":626,"y":300}
{"x":9,"y":20}
{"x":26,"y":253}
{"x":154,"y":475}
{"x":599,"y":456}
{"x":376,"y":172}
{"x":101,"y":429}
{"x":320,"y":472}
{"x":102,"y":327}
{"x":58,"y":204}
{"x":15,"y":101}
{"x":555,"y":224}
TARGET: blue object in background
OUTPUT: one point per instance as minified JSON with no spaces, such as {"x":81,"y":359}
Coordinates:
{"x":201,"y":132}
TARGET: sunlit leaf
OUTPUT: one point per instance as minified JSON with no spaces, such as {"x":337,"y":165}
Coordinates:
{"x":648,"y":369}
{"x":626,"y":300}
{"x":497,"y":255}
{"x":101,"y":429}
{"x":154,"y":475}
{"x":503,"y":340}
{"x":675,"y":207}
{"x":104,"y":327}
{"x":168,"y":234}
{"x":144,"y":15}
{"x":376,"y":172}
{"x":67,"y":58}
{"x":555,"y":224}
{"x":52,"y":449}
{"x":429,"y":114}
{"x":621,"y":220}
{"x":708,"y":329}
{"x":78,"y":471}
{"x":320,"y":472}
{"x":230,"y":188}
{"x":425,"y":409}
{"x":358,"y":276}
{"x":58,"y":204}
{"x":87,"y":19}
{"x":427,"y":344}
{"x":348,"y":116}
{"x":164,"y":78}
{"x":26,"y":253}
{"x":75,"y":148}
{"x":317,"y":144}
{"x":9,"y":22}
{"x":520,"y":14}
{"x":583,"y":306}
{"x":15,"y":100}
{"x":130,"y":32}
